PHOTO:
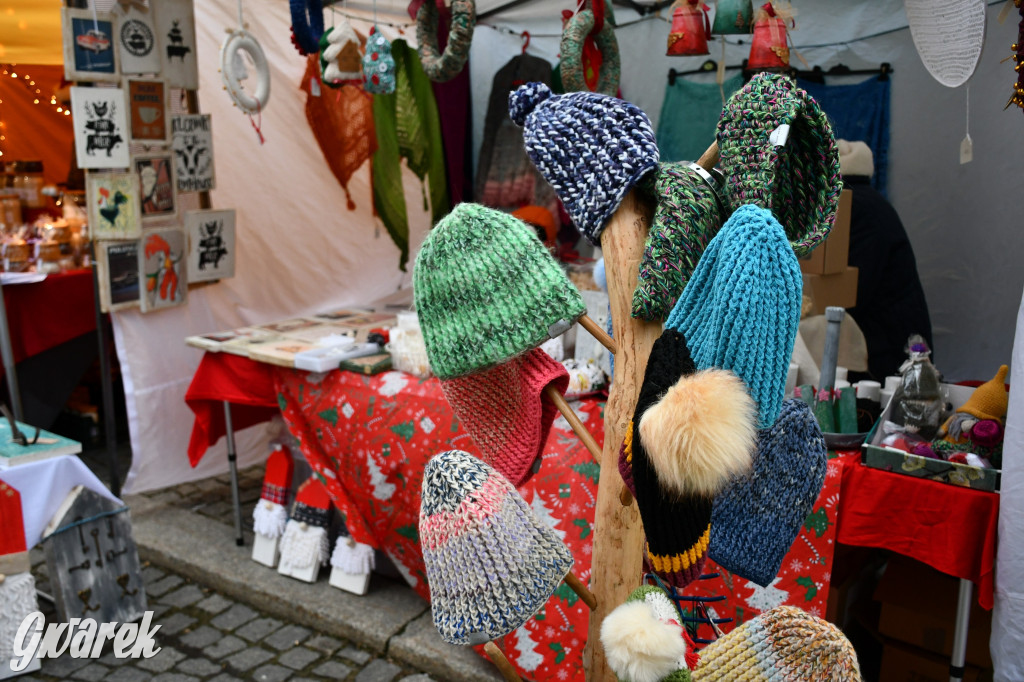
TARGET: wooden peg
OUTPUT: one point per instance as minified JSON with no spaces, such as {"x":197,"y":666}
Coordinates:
{"x":601,"y":335}
{"x":577,"y":426}
{"x":501,"y":663}
{"x":709,"y":159}
{"x":580,"y":589}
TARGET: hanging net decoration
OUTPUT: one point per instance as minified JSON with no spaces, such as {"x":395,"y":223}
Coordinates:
{"x":949,"y":35}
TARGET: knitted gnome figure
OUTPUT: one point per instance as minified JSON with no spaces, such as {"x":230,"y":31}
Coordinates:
{"x":378,"y":64}
{"x":988,"y":403}
{"x":592,"y":148}
{"x":785,"y":643}
{"x":691,"y":433}
{"x":270,"y":514}
{"x":755,"y":520}
{"x":305,"y":543}
{"x":17,"y":587}
{"x":644,"y":639}
{"x":341,"y":60}
{"x":491,"y":562}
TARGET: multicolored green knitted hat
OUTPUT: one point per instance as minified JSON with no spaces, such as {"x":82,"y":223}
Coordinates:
{"x":689,"y":213}
{"x":487,"y":290}
{"x":644,"y":639}
{"x":779,"y":152}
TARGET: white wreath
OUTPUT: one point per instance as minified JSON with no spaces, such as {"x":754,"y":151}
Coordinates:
{"x":233,"y":71}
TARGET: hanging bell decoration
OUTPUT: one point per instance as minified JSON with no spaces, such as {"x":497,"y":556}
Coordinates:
{"x":690,"y":31}
{"x":733,"y":17}
{"x":769,"y":48}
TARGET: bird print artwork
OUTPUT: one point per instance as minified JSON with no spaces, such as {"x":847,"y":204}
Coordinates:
{"x":164,"y":269}
{"x":114,"y":210}
{"x":110,"y":207}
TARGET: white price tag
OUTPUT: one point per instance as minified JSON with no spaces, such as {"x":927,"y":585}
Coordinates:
{"x":780,"y":135}
{"x":966,"y":150}
{"x":314,"y":86}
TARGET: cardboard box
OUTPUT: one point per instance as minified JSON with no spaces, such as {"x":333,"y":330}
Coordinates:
{"x":901,"y":663}
{"x":831,"y":256}
{"x":839,"y":289}
{"x":919,"y":609}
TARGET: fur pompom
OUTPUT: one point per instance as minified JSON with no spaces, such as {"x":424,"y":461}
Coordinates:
{"x":702,"y":432}
{"x":352,"y":557}
{"x":638,"y":646}
{"x":268,"y":518}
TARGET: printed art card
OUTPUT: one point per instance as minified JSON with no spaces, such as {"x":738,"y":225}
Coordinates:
{"x":163,"y":268}
{"x":147,"y":111}
{"x":192,"y":144}
{"x":101,"y":127}
{"x":113,"y":200}
{"x":138,"y":47}
{"x":89,"y":50}
{"x":158,"y":198}
{"x":211,"y":237}
{"x":176,"y":31}
{"x":118,"y":265}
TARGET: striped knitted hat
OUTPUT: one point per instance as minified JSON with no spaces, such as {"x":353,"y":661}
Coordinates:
{"x":491,"y":563}
{"x":785,"y":643}
{"x":505,"y":410}
{"x":487,"y":290}
{"x":779,"y":152}
{"x":644,"y":639}
{"x":756,"y":519}
{"x":592,"y":148}
{"x":688,"y":214}
{"x":741,"y":308}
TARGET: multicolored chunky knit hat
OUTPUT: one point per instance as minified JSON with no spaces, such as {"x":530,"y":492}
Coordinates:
{"x":680,"y":450}
{"x":491,"y":563}
{"x":785,"y":643}
{"x":755,"y":520}
{"x":487,"y":290}
{"x":741,"y":307}
{"x":592,"y":148}
{"x":644,"y":639}
{"x":778,"y":152}
{"x":505,"y":410}
{"x":689,"y":213}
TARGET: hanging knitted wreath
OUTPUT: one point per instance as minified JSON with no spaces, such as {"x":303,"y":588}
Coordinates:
{"x":233,"y":71}
{"x":575,"y":33}
{"x":307,"y":25}
{"x":438,"y":66}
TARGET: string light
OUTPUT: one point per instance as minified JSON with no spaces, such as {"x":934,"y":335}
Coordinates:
{"x":34,"y":92}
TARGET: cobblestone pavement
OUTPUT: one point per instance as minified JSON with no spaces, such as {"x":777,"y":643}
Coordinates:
{"x":207,"y":636}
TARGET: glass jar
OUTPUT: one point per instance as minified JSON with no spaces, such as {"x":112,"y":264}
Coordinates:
{"x":10,"y":209}
{"x":16,"y":256}
{"x":28,"y":183}
{"x":49,"y":258}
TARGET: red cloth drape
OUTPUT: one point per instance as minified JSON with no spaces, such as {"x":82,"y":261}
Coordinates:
{"x":48,"y":313}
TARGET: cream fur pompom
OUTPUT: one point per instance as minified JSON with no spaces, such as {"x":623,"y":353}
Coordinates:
{"x":702,"y":432}
{"x":638,"y":646}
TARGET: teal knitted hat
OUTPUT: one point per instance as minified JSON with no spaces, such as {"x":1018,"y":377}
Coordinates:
{"x":741,"y":307}
{"x":487,"y":290}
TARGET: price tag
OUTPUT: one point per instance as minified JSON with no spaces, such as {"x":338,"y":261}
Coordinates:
{"x":314,"y":86}
{"x":780,"y":135}
{"x":966,"y":150}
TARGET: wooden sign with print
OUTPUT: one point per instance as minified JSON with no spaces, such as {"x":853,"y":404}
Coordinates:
{"x":92,"y":560}
{"x":138,"y":47}
{"x":89,"y":51}
{"x":211,"y":240}
{"x":113,"y":200}
{"x":118,"y":263}
{"x":101,"y":127}
{"x":163,"y":269}
{"x":147,"y":111}
{"x":192,"y":143}
{"x":176,"y":31}
{"x":158,"y":197}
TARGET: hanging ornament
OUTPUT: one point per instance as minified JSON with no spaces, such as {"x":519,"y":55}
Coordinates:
{"x":378,"y":64}
{"x":1018,"y":59}
{"x":948,"y":37}
{"x":307,"y":25}
{"x":442,"y":67}
{"x":341,"y":62}
{"x":690,"y":29}
{"x":769,"y":48}
{"x":233,"y":72}
{"x":733,"y":16}
{"x":590,"y":52}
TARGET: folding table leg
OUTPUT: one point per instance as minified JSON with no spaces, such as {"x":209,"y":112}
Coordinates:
{"x":232,"y":462}
{"x":8,"y":359}
{"x":963,"y":617}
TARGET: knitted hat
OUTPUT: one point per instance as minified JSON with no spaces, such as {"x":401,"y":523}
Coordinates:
{"x":592,"y":148}
{"x":855,"y":158}
{"x":538,"y":216}
{"x":644,"y":639}
{"x":270,"y":514}
{"x":785,"y":643}
{"x":487,"y":290}
{"x":698,"y":434}
{"x":990,"y":400}
{"x":506,"y":412}
{"x":756,"y":519}
{"x":778,"y":152}
{"x":305,"y":540}
{"x":378,"y":64}
{"x":491,"y":563}
{"x":741,"y":307}
{"x":688,"y":214}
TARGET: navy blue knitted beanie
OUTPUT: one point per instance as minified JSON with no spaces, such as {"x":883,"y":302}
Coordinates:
{"x":756,"y":519}
{"x":592,"y":148}
{"x":741,"y":308}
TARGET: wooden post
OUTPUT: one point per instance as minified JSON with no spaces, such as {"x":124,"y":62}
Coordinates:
{"x":501,"y":663}
{"x":618,"y":534}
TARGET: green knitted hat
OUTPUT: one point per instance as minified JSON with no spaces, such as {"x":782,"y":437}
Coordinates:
{"x":486,"y":290}
{"x":644,"y":639}
{"x":779,"y":152}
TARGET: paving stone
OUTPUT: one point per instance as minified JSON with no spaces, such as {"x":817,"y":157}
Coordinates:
{"x":63,"y":666}
{"x":214,"y":603}
{"x":175,"y":623}
{"x":183,"y":596}
{"x":355,"y":655}
{"x":109,"y":659}
{"x":333,"y":670}
{"x":163,"y":586}
{"x":378,"y":670}
{"x":235,"y":617}
{"x":297,"y":658}
{"x":94,"y":672}
{"x":324,"y":644}
{"x":162,"y":662}
{"x":271,"y":673}
{"x":258,"y":629}
{"x":226,"y":646}
{"x":418,"y":678}
{"x":174,"y":677}
{"x":202,"y":636}
{"x":129,"y":674}
{"x":199,"y":666}
{"x":287,"y":637}
{"x":158,"y":610}
{"x":249,"y":658}
{"x":225,"y":677}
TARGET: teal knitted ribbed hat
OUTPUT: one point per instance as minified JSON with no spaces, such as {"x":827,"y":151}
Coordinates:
{"x":486,"y":290}
{"x":741,"y":308}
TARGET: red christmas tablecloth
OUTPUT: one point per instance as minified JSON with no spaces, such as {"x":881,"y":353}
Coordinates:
{"x":45,"y":314}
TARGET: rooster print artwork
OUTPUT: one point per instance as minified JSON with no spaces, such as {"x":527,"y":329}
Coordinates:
{"x":114,"y":205}
{"x":164,"y":269}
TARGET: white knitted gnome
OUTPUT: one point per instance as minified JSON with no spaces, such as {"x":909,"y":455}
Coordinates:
{"x":17,"y":588}
{"x":271,"y":512}
{"x":305,"y":544}
{"x":351,"y":564}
